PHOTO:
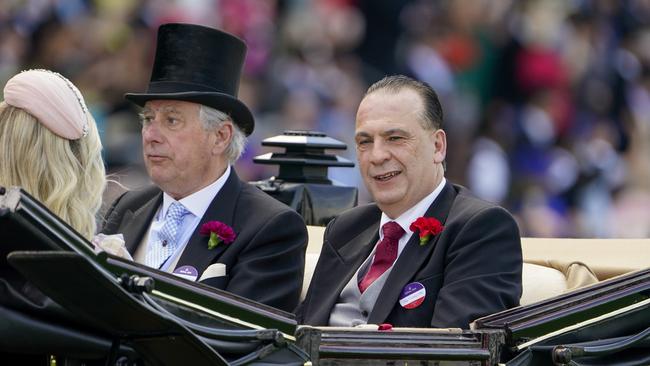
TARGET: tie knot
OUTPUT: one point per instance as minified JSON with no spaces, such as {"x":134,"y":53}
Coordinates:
{"x":176,"y":211}
{"x":392,"y":230}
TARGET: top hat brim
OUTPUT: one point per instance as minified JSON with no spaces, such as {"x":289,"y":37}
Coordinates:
{"x":237,"y":110}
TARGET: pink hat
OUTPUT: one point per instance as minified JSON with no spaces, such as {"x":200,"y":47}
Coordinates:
{"x":52,"y":99}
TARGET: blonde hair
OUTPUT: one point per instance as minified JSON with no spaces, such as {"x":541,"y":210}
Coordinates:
{"x":67,"y":176}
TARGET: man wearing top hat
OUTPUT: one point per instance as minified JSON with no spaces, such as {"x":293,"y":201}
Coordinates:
{"x":200,"y":221}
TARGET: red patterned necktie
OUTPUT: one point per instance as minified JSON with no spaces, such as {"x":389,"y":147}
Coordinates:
{"x":385,"y":254}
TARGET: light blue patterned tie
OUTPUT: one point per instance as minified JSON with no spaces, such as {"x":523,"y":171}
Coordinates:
{"x":167,"y":243}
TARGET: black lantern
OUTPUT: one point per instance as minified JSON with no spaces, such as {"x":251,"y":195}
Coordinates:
{"x":302,"y":182}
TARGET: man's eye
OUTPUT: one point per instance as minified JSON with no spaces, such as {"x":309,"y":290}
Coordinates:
{"x":395,"y":138}
{"x":363,"y":142}
{"x":172,"y":121}
{"x":145,"y":120}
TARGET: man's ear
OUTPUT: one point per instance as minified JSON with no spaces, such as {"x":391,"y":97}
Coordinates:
{"x":440,"y":145}
{"x":222,"y":137}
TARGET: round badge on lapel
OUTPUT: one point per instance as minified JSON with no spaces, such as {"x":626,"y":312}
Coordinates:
{"x":412,"y":295}
{"x":187,"y":272}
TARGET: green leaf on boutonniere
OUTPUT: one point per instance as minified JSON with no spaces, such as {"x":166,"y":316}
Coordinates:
{"x":214,"y":240}
{"x":218,"y":233}
{"x":426,"y":227}
{"x":424,"y":240}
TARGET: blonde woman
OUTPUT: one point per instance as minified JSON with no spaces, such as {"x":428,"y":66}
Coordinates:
{"x":49,"y":146}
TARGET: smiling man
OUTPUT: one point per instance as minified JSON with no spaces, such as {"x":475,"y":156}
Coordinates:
{"x":200,"y":221}
{"x":426,"y":253}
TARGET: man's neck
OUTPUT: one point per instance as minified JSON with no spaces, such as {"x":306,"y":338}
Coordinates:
{"x":394,"y":214}
{"x":181,"y":194}
{"x":199,"y":201}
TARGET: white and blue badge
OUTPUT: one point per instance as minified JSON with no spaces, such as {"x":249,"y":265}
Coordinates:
{"x":187,"y":272}
{"x":412,"y":295}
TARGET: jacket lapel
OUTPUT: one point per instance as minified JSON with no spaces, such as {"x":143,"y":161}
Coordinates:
{"x":136,"y":223}
{"x":222,"y":209}
{"x":349,"y":258}
{"x":411,"y":259}
{"x":352,"y":253}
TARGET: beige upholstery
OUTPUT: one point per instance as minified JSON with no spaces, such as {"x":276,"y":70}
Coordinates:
{"x":552,"y":266}
{"x":316,"y":234}
{"x":542,"y":282}
{"x":311,"y":258}
{"x":605,"y":257}
{"x":534,"y":276}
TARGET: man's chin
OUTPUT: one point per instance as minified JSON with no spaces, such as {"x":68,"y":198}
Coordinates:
{"x":158,"y":179}
{"x":387,"y":199}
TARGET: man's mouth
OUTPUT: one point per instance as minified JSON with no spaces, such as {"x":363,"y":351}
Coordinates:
{"x":387,"y":176}
{"x":156,"y":157}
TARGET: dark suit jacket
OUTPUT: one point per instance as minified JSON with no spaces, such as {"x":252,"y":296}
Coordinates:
{"x":471,"y":269}
{"x":266,"y":261}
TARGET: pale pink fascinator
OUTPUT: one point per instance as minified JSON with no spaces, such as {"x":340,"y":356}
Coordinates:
{"x":52,"y":99}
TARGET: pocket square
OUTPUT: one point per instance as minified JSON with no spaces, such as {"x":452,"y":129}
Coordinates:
{"x":213,"y":270}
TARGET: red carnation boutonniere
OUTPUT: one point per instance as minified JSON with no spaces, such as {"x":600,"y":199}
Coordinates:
{"x":427,"y":226}
{"x":218,"y":232}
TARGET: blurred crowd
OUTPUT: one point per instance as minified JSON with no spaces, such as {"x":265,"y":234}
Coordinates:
{"x":547,"y":102}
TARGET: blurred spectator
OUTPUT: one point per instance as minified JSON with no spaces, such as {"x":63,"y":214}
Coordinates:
{"x":547,"y":102}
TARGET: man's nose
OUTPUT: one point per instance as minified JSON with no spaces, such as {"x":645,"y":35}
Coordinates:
{"x":151,"y":132}
{"x":379,"y":153}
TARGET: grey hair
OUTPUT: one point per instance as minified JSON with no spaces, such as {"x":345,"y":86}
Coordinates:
{"x":213,"y":119}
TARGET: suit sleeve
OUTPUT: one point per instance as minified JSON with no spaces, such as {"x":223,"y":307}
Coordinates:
{"x":482,"y":270}
{"x":270,"y":270}
{"x":112,"y":217}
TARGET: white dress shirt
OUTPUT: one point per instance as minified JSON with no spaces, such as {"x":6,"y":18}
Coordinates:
{"x":352,"y":307}
{"x":196,"y":203}
{"x":404,"y":220}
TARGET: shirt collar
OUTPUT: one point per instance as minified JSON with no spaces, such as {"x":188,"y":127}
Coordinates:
{"x":197,"y":203}
{"x":404,"y":220}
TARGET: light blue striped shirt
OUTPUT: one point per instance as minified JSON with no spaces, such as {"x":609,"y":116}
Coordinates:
{"x":196,"y":203}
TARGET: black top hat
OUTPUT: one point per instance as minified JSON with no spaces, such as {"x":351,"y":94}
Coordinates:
{"x":201,"y":65}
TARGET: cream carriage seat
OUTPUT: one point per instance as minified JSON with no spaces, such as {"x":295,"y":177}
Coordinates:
{"x":552,"y":266}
